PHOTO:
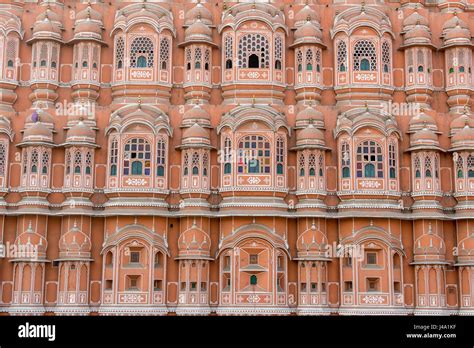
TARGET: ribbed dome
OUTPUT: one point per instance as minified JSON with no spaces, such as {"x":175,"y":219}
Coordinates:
{"x":308,"y":32}
{"x":38,"y":132}
{"x":453,"y":22}
{"x":458,"y":33}
{"x":310,"y":115}
{"x":89,"y":12}
{"x":198,"y":11}
{"x":305,"y":14}
{"x":462,"y":121}
{"x":49,"y":14}
{"x":47,"y":26}
{"x":310,"y":136}
{"x":464,"y":136}
{"x":414,"y":19}
{"x":196,"y":135}
{"x":198,"y":31}
{"x":80,"y":132}
{"x":196,"y":114}
{"x":88,"y":26}
{"x":424,"y":137}
{"x":422,"y":120}
{"x":418,"y":34}
{"x":143,"y":12}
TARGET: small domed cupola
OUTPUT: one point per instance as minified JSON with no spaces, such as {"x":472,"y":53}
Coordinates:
{"x":196,"y":114}
{"x":48,"y":26}
{"x":309,"y":115}
{"x":310,"y":137}
{"x":425,"y":139}
{"x":81,"y":134}
{"x":420,"y":121}
{"x":196,"y":136}
{"x":38,"y":133}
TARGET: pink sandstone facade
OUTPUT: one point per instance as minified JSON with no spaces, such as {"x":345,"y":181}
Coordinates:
{"x":189,"y":158}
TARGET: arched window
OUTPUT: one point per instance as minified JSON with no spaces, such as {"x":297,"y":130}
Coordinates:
{"x":54,"y":57}
{"x":3,"y":158}
{"x":11,"y":52}
{"x":77,"y":162}
{"x":302,"y":164}
{"x":392,"y":161}
{"x":460,"y":168}
{"x":312,"y":165}
{"x":88,"y":162}
{"x":318,"y":60}
{"x":364,"y":58}
{"x":113,"y":155}
{"x":186,"y":164}
{"x":119,"y":53}
{"x":137,"y":168}
{"x":142,"y":53}
{"x":227,"y":156}
{"x":160,"y":157}
{"x":228,"y":52}
{"x":205,"y":164}
{"x":369,"y":162}
{"x":141,"y":62}
{"x":280,"y":155}
{"x":85,"y":56}
{"x":253,"y":279}
{"x":417,"y":167}
{"x":95,"y":57}
{"x":195,"y":163}
{"x":253,"y":51}
{"x":341,"y":56}
{"x":345,"y":160}
{"x":309,"y":60}
{"x":188,"y":58}
{"x":34,"y":161}
{"x":137,"y":157}
{"x":254,"y":155}
{"x":428,"y":167}
{"x":45,"y":163}
{"x":197,"y":58}
{"x":386,"y":57}
{"x":43,"y":55}
{"x":68,"y":163}
{"x":25,"y":161}
{"x":420,"y":60}
{"x":278,"y":52}
{"x":207,"y":59}
{"x":299,"y":60}
{"x":253,"y":61}
{"x":164,"y":53}
{"x":321,"y":165}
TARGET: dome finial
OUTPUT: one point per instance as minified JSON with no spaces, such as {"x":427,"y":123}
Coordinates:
{"x":139,"y":102}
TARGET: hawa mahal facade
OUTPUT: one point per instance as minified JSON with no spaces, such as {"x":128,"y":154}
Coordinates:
{"x":191,"y":158}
